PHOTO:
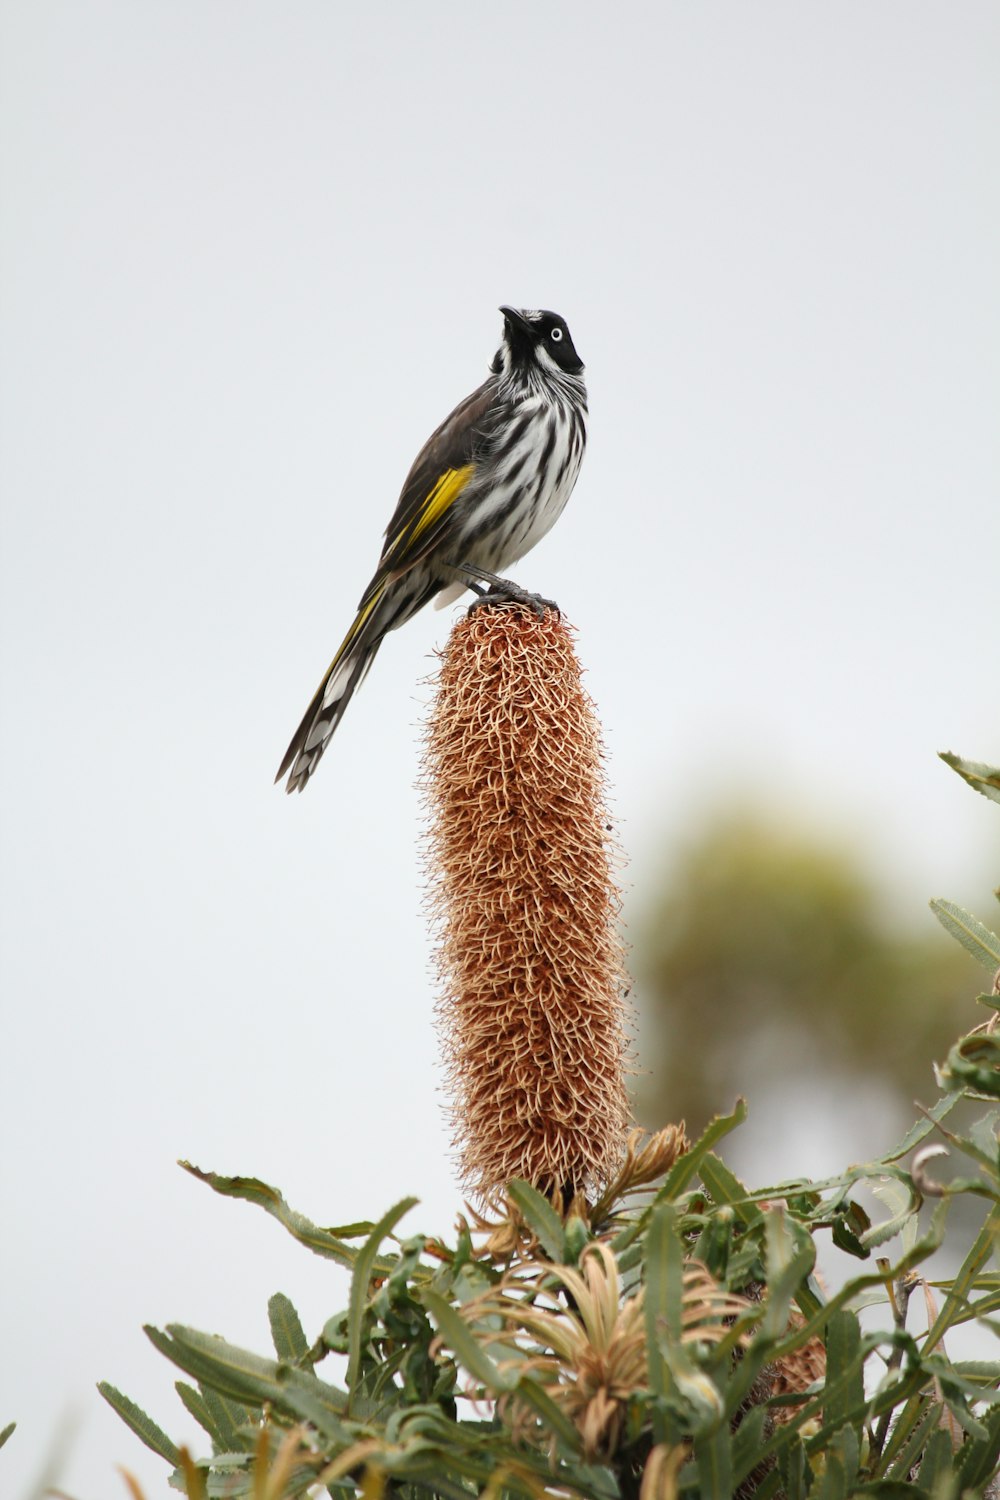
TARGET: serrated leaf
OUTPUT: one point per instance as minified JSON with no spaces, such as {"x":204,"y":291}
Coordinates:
{"x":286,"y":1330}
{"x":982,"y":778}
{"x":142,"y":1425}
{"x":713,"y":1454}
{"x":686,"y":1168}
{"x":976,"y":939}
{"x":364,"y":1268}
{"x":936,"y":1461}
{"x":921,"y":1129}
{"x":726,"y":1188}
{"x":229,"y":1417}
{"x":198,"y":1407}
{"x":901,"y":1199}
{"x":790,"y":1254}
{"x":540,"y":1217}
{"x":977,"y":1462}
{"x":323,"y":1242}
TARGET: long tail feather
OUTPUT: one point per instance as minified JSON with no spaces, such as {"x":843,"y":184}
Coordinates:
{"x":324,"y":714}
{"x":388,"y":602}
{"x":344,"y":675}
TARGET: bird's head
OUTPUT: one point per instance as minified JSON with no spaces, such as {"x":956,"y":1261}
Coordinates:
{"x":536,"y":339}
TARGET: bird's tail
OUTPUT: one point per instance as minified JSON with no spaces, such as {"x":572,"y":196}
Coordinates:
{"x":344,"y":675}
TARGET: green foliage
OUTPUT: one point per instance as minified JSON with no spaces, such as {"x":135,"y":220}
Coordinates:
{"x":769,"y":953}
{"x":518,"y":1374}
{"x":675,"y":1344}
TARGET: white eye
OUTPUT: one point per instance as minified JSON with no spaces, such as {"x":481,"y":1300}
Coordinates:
{"x":556,"y":335}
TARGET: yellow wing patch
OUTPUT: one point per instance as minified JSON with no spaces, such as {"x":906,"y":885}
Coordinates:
{"x":445,"y":493}
{"x":362,"y":616}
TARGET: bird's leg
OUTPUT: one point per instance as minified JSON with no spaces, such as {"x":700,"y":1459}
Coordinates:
{"x":500,"y":591}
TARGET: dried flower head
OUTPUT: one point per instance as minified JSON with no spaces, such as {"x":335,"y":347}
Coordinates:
{"x":531,"y":961}
{"x":796,"y":1371}
{"x":575,"y":1331}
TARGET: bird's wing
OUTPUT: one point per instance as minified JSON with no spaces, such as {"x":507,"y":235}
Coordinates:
{"x":441,"y":471}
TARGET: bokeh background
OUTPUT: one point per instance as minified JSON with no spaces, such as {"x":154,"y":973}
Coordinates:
{"x":252,"y":253}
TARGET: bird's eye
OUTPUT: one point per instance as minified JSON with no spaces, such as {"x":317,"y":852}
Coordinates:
{"x":556,"y":335}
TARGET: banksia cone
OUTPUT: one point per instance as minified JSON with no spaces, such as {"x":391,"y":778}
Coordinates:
{"x":531,"y":962}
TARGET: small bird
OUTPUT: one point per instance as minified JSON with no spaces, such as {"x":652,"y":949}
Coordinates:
{"x":485,"y":487}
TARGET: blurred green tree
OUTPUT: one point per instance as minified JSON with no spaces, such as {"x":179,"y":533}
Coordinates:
{"x":769,"y":953}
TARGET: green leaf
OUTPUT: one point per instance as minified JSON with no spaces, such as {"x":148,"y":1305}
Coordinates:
{"x":816,"y":1321}
{"x":308,"y":1398}
{"x":936,"y":1462}
{"x":364,"y":1267}
{"x":921,"y":1129}
{"x":984,"y":1134}
{"x":790,"y":1254}
{"x":903,"y":1205}
{"x":748,"y":1439}
{"x":323,"y":1242}
{"x":833,"y":1485}
{"x":143,"y":1426}
{"x":984,"y":779}
{"x":286,"y":1330}
{"x":230,"y":1417}
{"x":5,"y":1434}
{"x":540,"y":1217}
{"x":228,"y":1370}
{"x":976,"y":939}
{"x":844,"y":1391}
{"x":198,"y":1407}
{"x":663,"y":1277}
{"x":714,"y":1456}
{"x":792,"y":1468}
{"x":974,"y":1063}
{"x":963,"y":1416}
{"x":686,"y":1168}
{"x":464,"y":1344}
{"x":977,"y":1462}
{"x":726,"y":1188}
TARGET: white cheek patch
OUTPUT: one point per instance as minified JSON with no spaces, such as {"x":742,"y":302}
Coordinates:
{"x":544,"y":358}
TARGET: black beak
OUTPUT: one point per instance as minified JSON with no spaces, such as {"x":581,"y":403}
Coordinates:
{"x":514,"y":318}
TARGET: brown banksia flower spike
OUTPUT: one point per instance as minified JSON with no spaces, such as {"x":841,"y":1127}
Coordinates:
{"x":531,"y":961}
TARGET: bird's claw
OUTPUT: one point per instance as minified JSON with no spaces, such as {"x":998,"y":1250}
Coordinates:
{"x":503,"y":591}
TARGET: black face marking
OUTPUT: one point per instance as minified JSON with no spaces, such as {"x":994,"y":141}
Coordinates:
{"x":555,"y":338}
{"x":526,"y":334}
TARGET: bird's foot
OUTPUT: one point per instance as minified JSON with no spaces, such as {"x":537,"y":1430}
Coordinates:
{"x":502,"y":591}
{"x":505,"y":592}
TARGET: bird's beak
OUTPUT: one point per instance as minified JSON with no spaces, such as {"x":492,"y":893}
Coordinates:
{"x":516,"y":320}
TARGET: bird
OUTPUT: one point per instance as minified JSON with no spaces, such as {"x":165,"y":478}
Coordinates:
{"x":487,"y":485}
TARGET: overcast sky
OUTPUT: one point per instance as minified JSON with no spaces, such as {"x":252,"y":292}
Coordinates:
{"x":252,"y":254}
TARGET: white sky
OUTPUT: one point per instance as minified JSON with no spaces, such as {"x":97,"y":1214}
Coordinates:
{"x":252,"y":253}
